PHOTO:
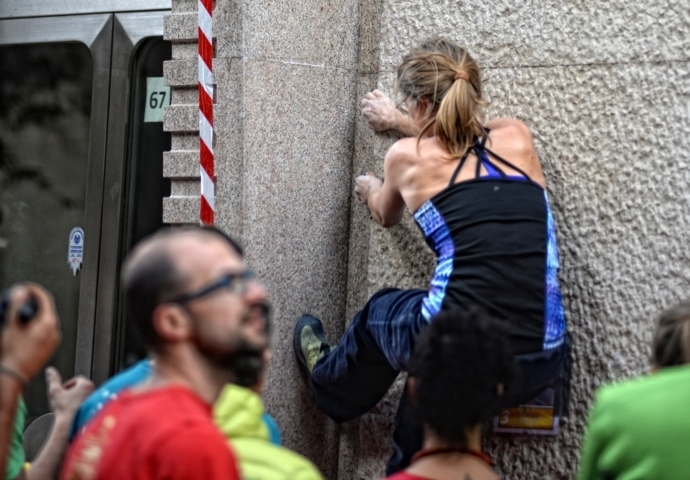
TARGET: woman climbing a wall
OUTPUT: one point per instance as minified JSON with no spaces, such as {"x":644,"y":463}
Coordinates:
{"x":477,"y":193}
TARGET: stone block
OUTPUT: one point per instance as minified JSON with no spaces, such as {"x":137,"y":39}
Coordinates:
{"x":298,"y":135}
{"x":181,"y":27}
{"x":181,"y":73}
{"x":317,"y":32}
{"x":181,"y":164}
{"x":181,"y":118}
{"x":181,"y":210}
{"x":543,"y":32}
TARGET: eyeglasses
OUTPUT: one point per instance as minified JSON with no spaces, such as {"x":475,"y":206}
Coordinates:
{"x":236,"y":283}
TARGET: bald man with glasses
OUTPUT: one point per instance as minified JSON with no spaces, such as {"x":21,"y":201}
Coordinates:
{"x":202,"y":316}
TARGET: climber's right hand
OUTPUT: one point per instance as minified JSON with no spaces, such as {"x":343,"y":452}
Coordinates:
{"x":380,"y":111}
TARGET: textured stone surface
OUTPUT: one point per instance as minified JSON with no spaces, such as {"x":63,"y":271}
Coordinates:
{"x":181,"y":118}
{"x":229,"y":148}
{"x":181,"y":164}
{"x":297,"y":170}
{"x":181,"y":73}
{"x":181,"y":210}
{"x":541,"y":32}
{"x":181,"y":27}
{"x":184,"y":50}
{"x":317,"y":32}
{"x":185,"y":6}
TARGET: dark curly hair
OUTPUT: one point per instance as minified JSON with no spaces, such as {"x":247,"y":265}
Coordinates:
{"x":459,"y":364}
{"x":671,"y":343}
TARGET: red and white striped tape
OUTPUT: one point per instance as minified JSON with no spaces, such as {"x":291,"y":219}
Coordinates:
{"x":208,"y":177}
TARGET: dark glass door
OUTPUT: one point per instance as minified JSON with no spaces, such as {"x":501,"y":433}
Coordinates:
{"x":45,"y":113}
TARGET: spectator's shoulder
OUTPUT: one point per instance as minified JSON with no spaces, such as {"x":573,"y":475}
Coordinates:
{"x":257,"y":456}
{"x":196,"y":451}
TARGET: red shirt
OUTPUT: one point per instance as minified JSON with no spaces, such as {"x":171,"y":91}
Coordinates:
{"x":405,"y":476}
{"x":167,"y":433}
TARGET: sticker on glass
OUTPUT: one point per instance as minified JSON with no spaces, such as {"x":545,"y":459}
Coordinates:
{"x":76,"y":249}
{"x":157,"y":98}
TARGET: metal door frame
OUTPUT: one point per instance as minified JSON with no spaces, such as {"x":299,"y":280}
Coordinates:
{"x":129,"y":30}
{"x":50,"y":8}
{"x":94,"y":31}
{"x":112,"y":40}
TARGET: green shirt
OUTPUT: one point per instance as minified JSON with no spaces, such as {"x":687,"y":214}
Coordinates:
{"x":640,"y":429}
{"x":15,"y":461}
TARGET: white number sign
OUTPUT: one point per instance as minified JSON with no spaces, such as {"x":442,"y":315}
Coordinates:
{"x":157,"y":98}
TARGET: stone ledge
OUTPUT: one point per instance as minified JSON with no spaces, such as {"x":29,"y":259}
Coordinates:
{"x":181,"y":27}
{"x":181,"y":164}
{"x":181,"y":73}
{"x":181,"y":118}
{"x":181,"y":210}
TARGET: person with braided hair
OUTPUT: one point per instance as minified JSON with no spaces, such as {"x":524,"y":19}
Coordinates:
{"x":478,"y":194}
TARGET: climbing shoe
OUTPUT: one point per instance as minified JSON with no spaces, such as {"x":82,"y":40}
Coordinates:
{"x":310,"y":342}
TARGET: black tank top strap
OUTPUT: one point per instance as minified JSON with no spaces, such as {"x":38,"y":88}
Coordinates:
{"x":483,"y":148}
{"x":482,"y":152}
{"x":506,"y":162}
{"x":458,"y":168}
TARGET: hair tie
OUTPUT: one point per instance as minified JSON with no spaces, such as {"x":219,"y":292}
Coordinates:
{"x":462,"y":75}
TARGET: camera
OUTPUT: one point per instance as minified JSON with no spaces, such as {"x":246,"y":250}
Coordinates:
{"x":27,"y":311}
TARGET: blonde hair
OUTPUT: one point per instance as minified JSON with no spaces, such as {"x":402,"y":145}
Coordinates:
{"x":672,"y":337}
{"x":446,"y":75}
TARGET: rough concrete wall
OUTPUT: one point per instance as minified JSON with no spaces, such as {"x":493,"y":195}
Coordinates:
{"x":605,"y":88}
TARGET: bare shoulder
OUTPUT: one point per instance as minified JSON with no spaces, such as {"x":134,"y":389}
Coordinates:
{"x":404,"y":152}
{"x":510,"y":127}
{"x":513,"y":133}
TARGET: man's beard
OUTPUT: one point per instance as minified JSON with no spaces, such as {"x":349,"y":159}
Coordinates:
{"x":242,"y":358}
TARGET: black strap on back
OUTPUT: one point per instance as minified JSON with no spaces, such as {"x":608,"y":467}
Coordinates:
{"x":478,"y":148}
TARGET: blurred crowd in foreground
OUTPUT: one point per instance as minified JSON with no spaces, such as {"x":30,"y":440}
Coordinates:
{"x":193,"y":409}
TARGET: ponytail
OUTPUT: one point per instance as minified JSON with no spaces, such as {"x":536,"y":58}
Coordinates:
{"x":447,"y":76}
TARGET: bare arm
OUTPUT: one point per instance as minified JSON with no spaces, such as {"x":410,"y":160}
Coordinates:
{"x":24,"y":349}
{"x":383,"y":197}
{"x":381,"y":115}
{"x":10,"y":390}
{"x":65,"y":400}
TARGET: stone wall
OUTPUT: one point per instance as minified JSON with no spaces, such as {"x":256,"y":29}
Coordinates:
{"x":605,"y":88}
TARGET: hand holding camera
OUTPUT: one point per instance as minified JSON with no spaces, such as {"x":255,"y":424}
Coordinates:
{"x":31,"y":331}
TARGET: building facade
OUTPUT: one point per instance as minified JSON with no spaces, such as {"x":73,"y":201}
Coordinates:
{"x":604,"y":86}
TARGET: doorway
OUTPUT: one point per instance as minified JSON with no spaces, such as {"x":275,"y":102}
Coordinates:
{"x":73,"y":114}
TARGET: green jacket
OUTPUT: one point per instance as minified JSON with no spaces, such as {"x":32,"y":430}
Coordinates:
{"x":640,"y":429}
{"x":238,"y":413}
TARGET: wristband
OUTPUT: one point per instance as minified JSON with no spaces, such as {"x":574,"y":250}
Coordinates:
{"x":14,"y":374}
